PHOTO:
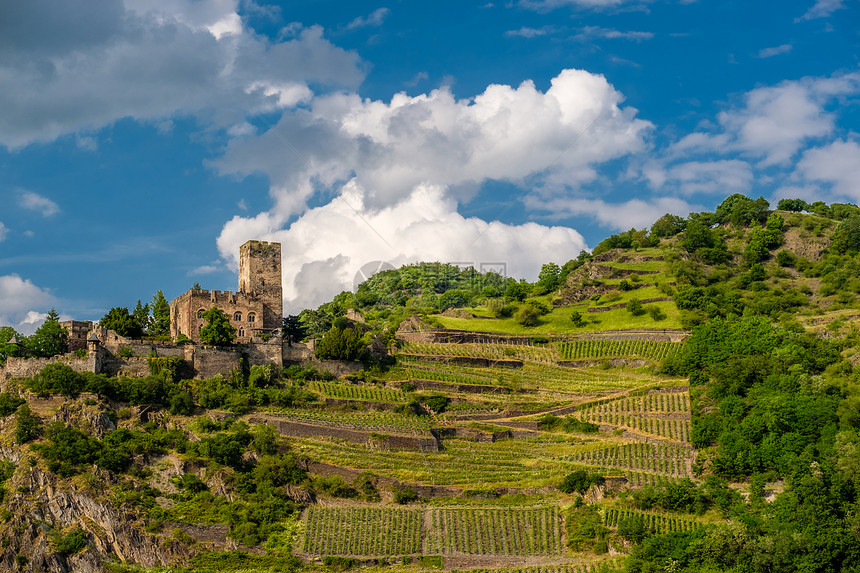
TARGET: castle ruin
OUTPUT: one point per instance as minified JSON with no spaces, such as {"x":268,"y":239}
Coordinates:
{"x":257,"y":308}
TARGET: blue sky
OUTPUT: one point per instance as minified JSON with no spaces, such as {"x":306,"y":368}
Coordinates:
{"x":141,"y":142}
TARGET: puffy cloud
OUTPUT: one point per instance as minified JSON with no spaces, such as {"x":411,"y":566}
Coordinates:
{"x":822,"y":9}
{"x":18,"y":299}
{"x":694,"y":177}
{"x":404,"y":166}
{"x":71,"y":66}
{"x":35,"y":202}
{"x":837,"y":164}
{"x":774,"y":122}
{"x":325,"y":248}
{"x":777,"y":120}
{"x":505,"y":133}
{"x":638,"y":213}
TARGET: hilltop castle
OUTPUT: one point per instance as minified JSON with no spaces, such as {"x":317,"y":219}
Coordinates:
{"x":256,"y":308}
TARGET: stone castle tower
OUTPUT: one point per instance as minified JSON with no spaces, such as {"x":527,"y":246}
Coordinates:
{"x":256,"y":308}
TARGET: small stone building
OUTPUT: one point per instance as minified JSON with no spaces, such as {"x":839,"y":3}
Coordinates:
{"x":256,"y":308}
{"x":78,"y":331}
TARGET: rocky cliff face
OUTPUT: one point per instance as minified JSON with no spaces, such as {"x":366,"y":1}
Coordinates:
{"x":40,"y":508}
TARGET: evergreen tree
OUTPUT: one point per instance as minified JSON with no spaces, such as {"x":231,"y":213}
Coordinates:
{"x":293,"y":329}
{"x":140,"y":314}
{"x":49,"y":339}
{"x":160,"y":324}
{"x":120,"y":321}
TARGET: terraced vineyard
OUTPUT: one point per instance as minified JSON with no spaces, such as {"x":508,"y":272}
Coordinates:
{"x":532,"y":376}
{"x":652,"y":458}
{"x":358,"y":392}
{"x":370,"y":531}
{"x":537,"y":461}
{"x":654,"y":522}
{"x":616,"y":396}
{"x":492,"y":351}
{"x":665,"y":414}
{"x":509,"y":531}
{"x":362,"y":531}
{"x":363,"y":420}
{"x":597,"y":349}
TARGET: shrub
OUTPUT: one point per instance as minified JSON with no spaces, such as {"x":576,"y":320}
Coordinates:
{"x":635,"y":308}
{"x":70,"y":543}
{"x":580,"y":481}
{"x":28,"y":426}
{"x":335,"y":486}
{"x":786,"y":258}
{"x":339,"y":563}
{"x":655,"y":312}
{"x":404,"y":495}
{"x":9,"y":403}
{"x":437,"y":403}
{"x":550,"y":422}
{"x":527,"y":315}
{"x":57,"y":378}
{"x":633,"y":528}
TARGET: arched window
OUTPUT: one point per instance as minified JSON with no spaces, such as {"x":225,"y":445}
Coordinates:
{"x":251,"y":317}
{"x":237,"y":317}
{"x":241,"y":332}
{"x":201,"y":312}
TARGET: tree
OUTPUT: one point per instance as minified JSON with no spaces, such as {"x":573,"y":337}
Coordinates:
{"x":698,"y":235}
{"x":160,"y":325}
{"x":122,"y":322}
{"x":549,"y":277}
{"x":49,"y":339}
{"x":795,"y":205}
{"x":27,"y":426}
{"x":217,"y":331}
{"x":140,"y":314}
{"x":6,"y":349}
{"x":340,"y":343}
{"x":668,"y":226}
{"x":846,"y":237}
{"x":742,"y":211}
{"x":293,"y":329}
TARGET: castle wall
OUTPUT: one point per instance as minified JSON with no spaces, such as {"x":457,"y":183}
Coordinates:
{"x":185,"y":308}
{"x":29,"y":367}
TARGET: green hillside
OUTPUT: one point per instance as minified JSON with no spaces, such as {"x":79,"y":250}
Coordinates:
{"x":683,"y":398}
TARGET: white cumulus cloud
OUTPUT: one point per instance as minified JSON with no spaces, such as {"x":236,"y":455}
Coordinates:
{"x":324,"y":249}
{"x":401,"y":168}
{"x":18,"y":300}
{"x":837,"y":164}
{"x":618,"y":216}
{"x":506,"y":133}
